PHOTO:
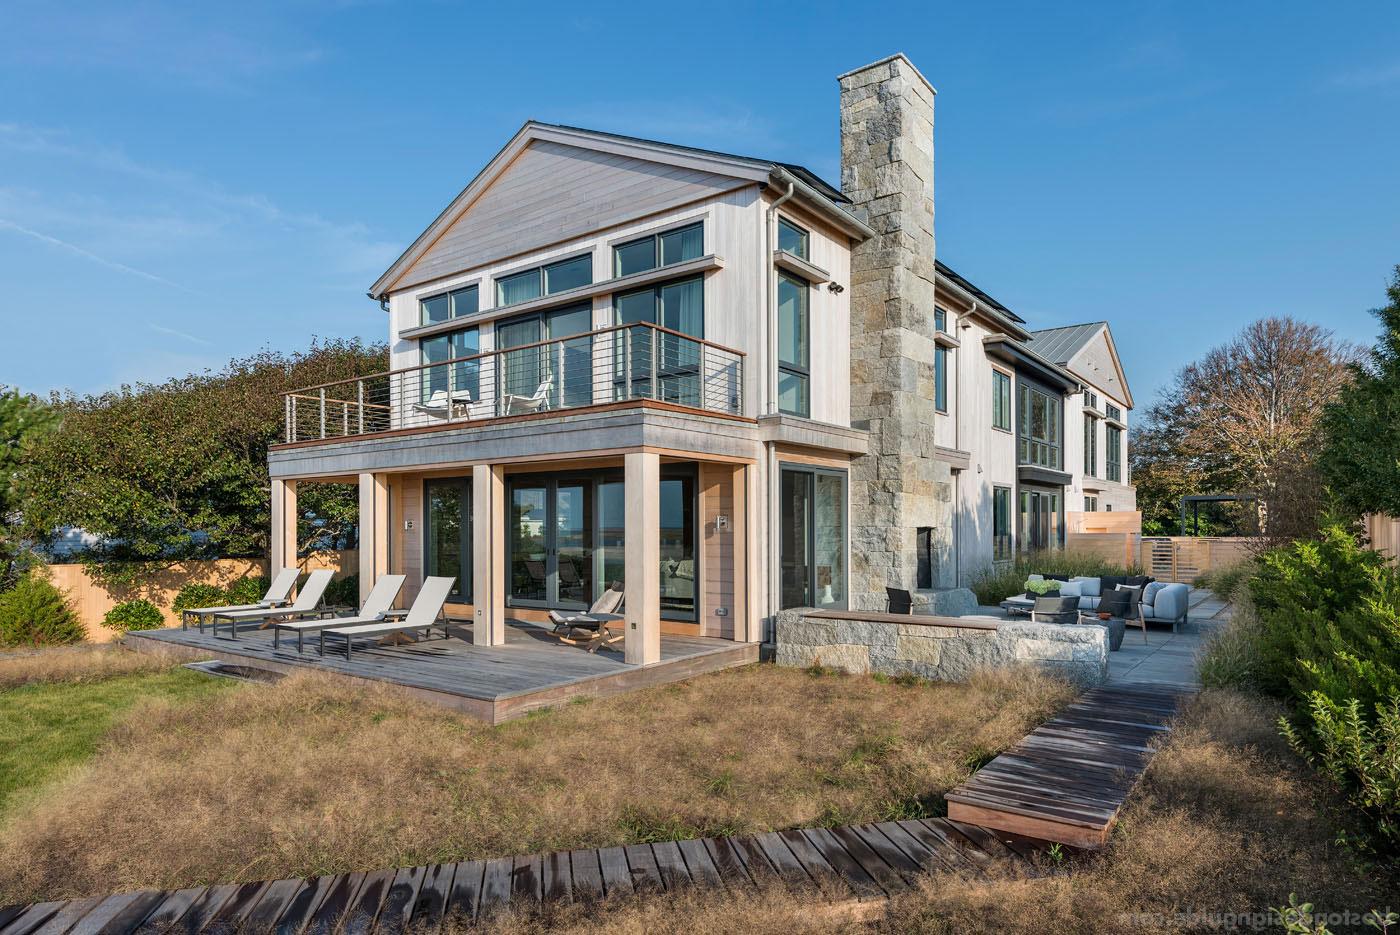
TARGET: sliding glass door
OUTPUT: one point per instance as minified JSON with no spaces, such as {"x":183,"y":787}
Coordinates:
{"x":561,"y":373}
{"x":812,"y":537}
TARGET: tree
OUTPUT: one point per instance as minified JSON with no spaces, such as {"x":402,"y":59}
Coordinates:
{"x":1361,"y":457}
{"x":162,"y":473}
{"x":23,"y":421}
{"x":1245,"y":419}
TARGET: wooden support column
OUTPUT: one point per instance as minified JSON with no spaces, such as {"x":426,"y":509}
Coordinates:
{"x":642,"y":557}
{"x":747,"y":627}
{"x":374,"y":530}
{"x":283,"y":545}
{"x":488,"y":555}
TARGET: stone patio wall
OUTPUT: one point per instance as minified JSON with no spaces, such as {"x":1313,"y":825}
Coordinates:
{"x":944,"y":649}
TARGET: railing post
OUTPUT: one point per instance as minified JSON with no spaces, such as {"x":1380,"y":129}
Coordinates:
{"x":287,"y":418}
{"x":627,"y":362}
{"x":655,"y":389}
{"x":296,"y":429}
{"x":559,"y":379}
{"x":344,"y":418}
{"x":360,"y":401}
{"x":323,"y":412}
{"x":700,"y":390}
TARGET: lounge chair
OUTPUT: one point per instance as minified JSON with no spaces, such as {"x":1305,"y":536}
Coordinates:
{"x":308,"y":602}
{"x":425,"y":613}
{"x":441,"y":404}
{"x":278,"y":593}
{"x":537,"y":403}
{"x":590,"y":629}
{"x":377,"y":606}
{"x":1055,"y":610}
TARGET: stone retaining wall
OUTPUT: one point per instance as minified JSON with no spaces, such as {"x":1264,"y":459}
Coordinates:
{"x":945,"y":649}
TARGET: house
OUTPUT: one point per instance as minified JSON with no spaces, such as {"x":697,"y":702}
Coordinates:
{"x":720,"y":380}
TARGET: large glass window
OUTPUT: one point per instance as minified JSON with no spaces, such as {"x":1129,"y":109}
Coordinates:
{"x":544,"y":280}
{"x":1001,"y":524}
{"x":792,"y":239}
{"x":678,"y":584}
{"x":1091,"y":504}
{"x":812,"y":537}
{"x":673,"y":360}
{"x":447,"y":533}
{"x":448,"y":306}
{"x":1040,"y":428}
{"x":1039,"y":519}
{"x":561,"y":372}
{"x":1113,"y":452}
{"x":794,"y":346}
{"x":459,"y":382}
{"x":1001,"y":400}
{"x":1114,"y":412}
{"x":1091,"y":446}
{"x":940,"y":378}
{"x":664,"y":249}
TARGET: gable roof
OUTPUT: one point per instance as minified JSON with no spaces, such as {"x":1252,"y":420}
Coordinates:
{"x":827,"y":200}
{"x":1066,"y":342}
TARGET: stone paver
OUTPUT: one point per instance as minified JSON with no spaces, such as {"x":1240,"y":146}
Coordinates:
{"x":1166,"y":658}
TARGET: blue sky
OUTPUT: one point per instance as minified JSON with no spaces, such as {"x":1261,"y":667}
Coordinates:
{"x":181,"y":183}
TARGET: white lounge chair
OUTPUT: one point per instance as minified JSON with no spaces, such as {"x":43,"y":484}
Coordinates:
{"x":308,"y":602}
{"x":537,"y":403}
{"x":439,"y":403}
{"x":278,"y":593}
{"x":590,"y":629}
{"x":377,"y":606}
{"x":425,"y":613}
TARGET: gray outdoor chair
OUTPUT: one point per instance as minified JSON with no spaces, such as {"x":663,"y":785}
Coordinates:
{"x":1055,"y":610}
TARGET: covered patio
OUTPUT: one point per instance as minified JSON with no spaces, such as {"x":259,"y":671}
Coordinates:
{"x":526,"y":670}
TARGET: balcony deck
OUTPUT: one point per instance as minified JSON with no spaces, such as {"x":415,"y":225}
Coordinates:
{"x":494,"y":683}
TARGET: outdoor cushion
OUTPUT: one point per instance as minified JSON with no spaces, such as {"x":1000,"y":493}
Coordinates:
{"x":1118,"y":603}
{"x":1149,"y":593}
{"x":1071,"y":589}
{"x":1088,"y":587}
{"x":1140,"y":581}
{"x":1057,"y":577}
{"x":1109,"y":582}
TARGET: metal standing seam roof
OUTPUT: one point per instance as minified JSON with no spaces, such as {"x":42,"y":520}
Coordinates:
{"x":1061,"y":344}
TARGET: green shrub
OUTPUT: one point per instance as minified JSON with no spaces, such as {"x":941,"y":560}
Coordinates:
{"x":35,"y":613}
{"x":1226,"y":582}
{"x":139,"y":614}
{"x":994,"y":585}
{"x":248,"y":590}
{"x":344,"y":590}
{"x":1232,"y":658}
{"x":200,"y":595}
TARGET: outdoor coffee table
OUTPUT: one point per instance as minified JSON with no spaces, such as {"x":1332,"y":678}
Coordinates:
{"x":1018,"y":605}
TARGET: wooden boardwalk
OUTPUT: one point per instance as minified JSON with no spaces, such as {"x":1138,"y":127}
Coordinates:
{"x":1067,"y":780}
{"x":495,"y":683}
{"x":853,"y":863}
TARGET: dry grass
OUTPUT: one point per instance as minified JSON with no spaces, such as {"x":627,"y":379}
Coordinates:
{"x":1227,"y":821}
{"x":316,"y":776}
{"x":86,"y":662}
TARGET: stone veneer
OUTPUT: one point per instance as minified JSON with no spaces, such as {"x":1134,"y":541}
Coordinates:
{"x":944,"y":649}
{"x":887,"y":172}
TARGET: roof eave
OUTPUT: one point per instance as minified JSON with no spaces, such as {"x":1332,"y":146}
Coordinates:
{"x":849,"y":224}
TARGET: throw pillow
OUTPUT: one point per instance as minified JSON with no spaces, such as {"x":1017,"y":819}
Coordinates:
{"x":1088,"y":587}
{"x":1109,"y":582}
{"x":1139,"y":581}
{"x":1071,"y":589}
{"x":1149,"y":593}
{"x":1057,"y":577}
{"x":1115,"y":603}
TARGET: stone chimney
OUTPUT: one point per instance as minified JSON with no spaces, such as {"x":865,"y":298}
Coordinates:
{"x":901,"y":495}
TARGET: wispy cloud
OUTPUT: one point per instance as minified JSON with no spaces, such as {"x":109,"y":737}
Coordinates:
{"x":193,"y":339}
{"x":87,"y":254}
{"x":1375,"y":76}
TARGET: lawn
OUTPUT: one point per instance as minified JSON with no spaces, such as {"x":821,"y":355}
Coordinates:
{"x":314,"y":775}
{"x":46,"y":729}
{"x":1227,"y":824}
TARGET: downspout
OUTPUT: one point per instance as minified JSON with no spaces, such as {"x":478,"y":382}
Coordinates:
{"x":957,"y":443}
{"x":770,"y":307}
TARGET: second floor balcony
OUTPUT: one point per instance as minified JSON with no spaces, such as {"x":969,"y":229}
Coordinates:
{"x":626,"y":363}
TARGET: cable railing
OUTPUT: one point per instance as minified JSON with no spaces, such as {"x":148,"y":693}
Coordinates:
{"x":618,"y":364}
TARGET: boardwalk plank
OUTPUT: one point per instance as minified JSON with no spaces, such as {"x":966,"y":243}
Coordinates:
{"x":431,"y":901}
{"x":927,"y":859}
{"x":835,"y":854}
{"x":230,"y":917}
{"x":671,"y":864}
{"x":397,"y":910}
{"x":755,"y":861}
{"x":303,"y":905}
{"x":335,"y":905}
{"x":556,"y":877}
{"x":271,"y":904}
{"x":32,"y":917}
{"x":729,"y":865}
{"x":9,"y":913}
{"x":898,"y":861}
{"x":495,"y":887}
{"x":617,"y":876}
{"x":359,"y":920}
{"x":526,"y":883}
{"x":68,"y":915}
{"x":699,"y":864}
{"x":465,"y":895}
{"x":191,"y":908}
{"x":586,"y":877}
{"x":780,"y":856}
{"x":121,"y":913}
{"x":888,"y":877}
{"x":817,"y":867}
{"x":642,"y":864}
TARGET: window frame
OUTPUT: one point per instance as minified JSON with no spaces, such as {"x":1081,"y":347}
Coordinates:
{"x":1113,"y":467}
{"x":425,"y":391}
{"x":1113,"y":412}
{"x":449,"y":295}
{"x":795,"y":369}
{"x":540,"y":271}
{"x":1026,"y":441}
{"x":1091,"y":503}
{"x":804,"y":238}
{"x":1001,"y":380}
{"x":655,"y":238}
{"x":845,"y":476}
{"x":1091,"y":445}
{"x":1003,"y":542}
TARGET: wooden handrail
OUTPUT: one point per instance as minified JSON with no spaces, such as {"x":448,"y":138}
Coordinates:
{"x":300,"y":393}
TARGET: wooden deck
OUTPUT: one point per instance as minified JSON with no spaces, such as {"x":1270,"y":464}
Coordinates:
{"x":1067,"y":780}
{"x":853,"y":864}
{"x":495,"y":683}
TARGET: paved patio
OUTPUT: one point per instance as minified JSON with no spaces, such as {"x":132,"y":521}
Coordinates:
{"x":1165,"y":658}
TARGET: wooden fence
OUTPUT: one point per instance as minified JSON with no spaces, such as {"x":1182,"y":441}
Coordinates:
{"x":1117,"y":537}
{"x":1384,"y":533}
{"x":92,"y":599}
